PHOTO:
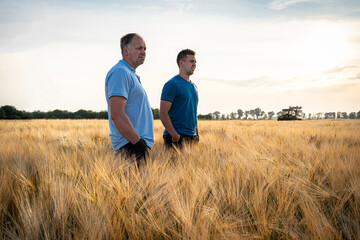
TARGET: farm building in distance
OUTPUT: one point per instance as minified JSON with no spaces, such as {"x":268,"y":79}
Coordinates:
{"x":291,"y":113}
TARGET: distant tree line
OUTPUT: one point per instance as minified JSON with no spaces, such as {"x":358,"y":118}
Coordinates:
{"x":10,"y":112}
{"x":335,"y":115}
{"x":257,"y":114}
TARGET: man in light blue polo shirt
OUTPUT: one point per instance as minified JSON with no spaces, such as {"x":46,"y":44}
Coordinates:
{"x":179,"y":100}
{"x":130,"y":116}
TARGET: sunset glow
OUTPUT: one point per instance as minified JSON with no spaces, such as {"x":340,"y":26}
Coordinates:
{"x":55,"y":54}
{"x":324,"y":47}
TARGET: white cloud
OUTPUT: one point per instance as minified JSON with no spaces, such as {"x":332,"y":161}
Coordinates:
{"x":245,"y":83}
{"x":344,"y":76}
{"x":145,"y":7}
{"x":164,"y":6}
{"x":340,"y":69}
{"x":282,"y":4}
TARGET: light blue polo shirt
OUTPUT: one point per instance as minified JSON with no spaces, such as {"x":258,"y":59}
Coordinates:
{"x":122,"y":81}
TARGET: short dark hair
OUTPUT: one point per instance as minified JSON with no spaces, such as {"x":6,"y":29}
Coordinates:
{"x":126,"y":39}
{"x":183,"y":54}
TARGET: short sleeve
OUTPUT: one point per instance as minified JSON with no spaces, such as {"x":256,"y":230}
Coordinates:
{"x":169,"y":91}
{"x":119,"y":84}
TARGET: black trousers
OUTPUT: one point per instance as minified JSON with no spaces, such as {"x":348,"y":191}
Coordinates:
{"x":129,"y":151}
{"x":183,"y":139}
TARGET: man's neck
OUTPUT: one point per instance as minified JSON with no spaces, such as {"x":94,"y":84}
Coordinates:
{"x":128,"y":62}
{"x":184,"y":76}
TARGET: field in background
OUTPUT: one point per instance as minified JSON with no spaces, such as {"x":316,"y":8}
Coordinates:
{"x":59,"y":179}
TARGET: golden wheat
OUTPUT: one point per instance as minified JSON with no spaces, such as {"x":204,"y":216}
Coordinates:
{"x":59,"y":179}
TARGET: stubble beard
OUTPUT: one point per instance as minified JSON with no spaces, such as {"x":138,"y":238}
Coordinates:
{"x":140,"y":61}
{"x":190,"y":72}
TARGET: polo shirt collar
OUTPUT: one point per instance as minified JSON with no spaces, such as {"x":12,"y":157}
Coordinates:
{"x":127,"y":65}
{"x":130,"y":68}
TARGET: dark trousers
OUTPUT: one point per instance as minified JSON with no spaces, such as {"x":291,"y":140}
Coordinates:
{"x":129,"y":151}
{"x":183,"y":139}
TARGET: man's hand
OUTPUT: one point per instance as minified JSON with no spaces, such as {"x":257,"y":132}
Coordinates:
{"x":175,"y":137}
{"x":140,"y":147}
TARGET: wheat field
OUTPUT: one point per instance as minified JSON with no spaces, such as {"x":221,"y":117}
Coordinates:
{"x":59,"y":179}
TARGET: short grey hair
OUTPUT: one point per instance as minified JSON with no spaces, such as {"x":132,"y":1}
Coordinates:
{"x":126,"y":39}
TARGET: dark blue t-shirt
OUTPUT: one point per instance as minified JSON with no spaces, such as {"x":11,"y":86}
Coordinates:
{"x":183,"y":112}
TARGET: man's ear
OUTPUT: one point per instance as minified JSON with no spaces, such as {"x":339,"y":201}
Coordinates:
{"x":125,"y":50}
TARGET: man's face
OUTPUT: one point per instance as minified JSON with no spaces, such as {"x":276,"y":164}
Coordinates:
{"x":135,"y":52}
{"x":189,"y":64}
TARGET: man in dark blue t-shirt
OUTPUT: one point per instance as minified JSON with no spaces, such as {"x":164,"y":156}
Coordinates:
{"x":179,"y":100}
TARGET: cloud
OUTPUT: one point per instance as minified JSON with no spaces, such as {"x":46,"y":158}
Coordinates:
{"x":164,"y":5}
{"x":282,"y":4}
{"x":356,"y":77}
{"x":253,"y":82}
{"x":20,"y":11}
{"x":335,"y":89}
{"x":144,"y":7}
{"x":340,"y":69}
{"x":344,"y":77}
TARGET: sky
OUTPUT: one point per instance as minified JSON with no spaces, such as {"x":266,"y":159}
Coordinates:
{"x":250,"y":53}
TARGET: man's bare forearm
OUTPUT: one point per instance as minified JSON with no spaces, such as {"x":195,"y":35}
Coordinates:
{"x":165,"y":107}
{"x":166,"y":121}
{"x":123,"y":124}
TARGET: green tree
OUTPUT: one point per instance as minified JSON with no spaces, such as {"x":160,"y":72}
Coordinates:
{"x":55,"y":114}
{"x":37,"y":115}
{"x":352,"y":115}
{"x":247,"y":113}
{"x":262,"y":115}
{"x":84,"y":114}
{"x":102,"y":115}
{"x":257,"y":112}
{"x":216,"y":115}
{"x":271,"y":114}
{"x":156,"y":113}
{"x":358,"y":115}
{"x":2,"y":114}
{"x":319,"y":115}
{"x":205,"y":116}
{"x":252,"y":113}
{"x":338,"y":115}
{"x":240,"y":113}
{"x":330,"y":115}
{"x":11,"y":112}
